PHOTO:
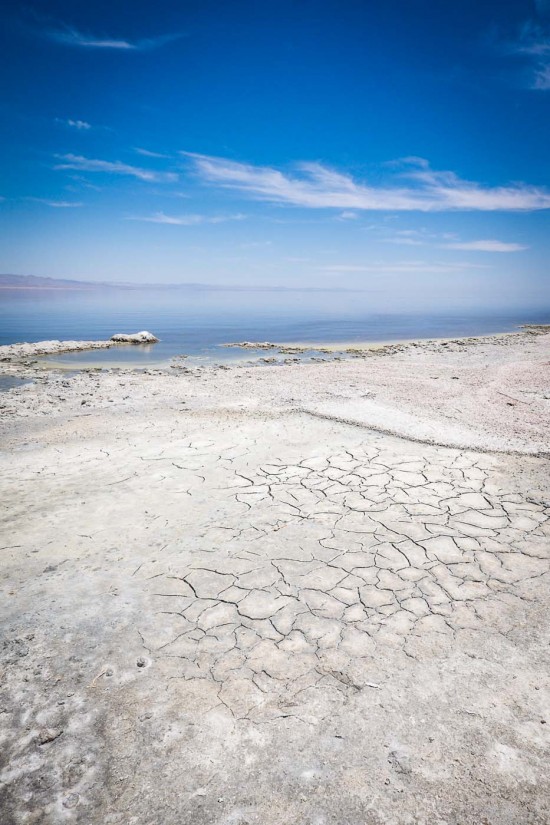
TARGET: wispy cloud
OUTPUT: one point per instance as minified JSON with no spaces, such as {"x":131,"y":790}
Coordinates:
{"x":83,"y":164}
{"x":421,"y":237}
{"x":148,"y":154}
{"x":408,"y":237}
{"x":255,"y":245}
{"x":541,"y":78}
{"x":382,"y":267}
{"x":533,"y":45}
{"x":484,"y":246}
{"x":533,"y":41}
{"x":57,"y":204}
{"x":186,"y":220}
{"x":69,"y":36}
{"x":316,"y":186}
{"x":80,"y":125}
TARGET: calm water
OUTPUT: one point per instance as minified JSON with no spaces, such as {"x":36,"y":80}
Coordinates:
{"x":195,"y":323}
{"x":11,"y":382}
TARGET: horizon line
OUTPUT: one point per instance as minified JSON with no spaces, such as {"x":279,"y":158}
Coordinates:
{"x":67,"y":284}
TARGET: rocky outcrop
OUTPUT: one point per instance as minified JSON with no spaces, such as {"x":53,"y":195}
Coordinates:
{"x":143,"y":337}
{"x":19,"y":353}
{"x":15,"y":352}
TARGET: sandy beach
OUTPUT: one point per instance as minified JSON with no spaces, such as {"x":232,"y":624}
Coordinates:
{"x":310,"y":594}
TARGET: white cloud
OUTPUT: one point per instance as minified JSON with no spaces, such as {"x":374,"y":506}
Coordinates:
{"x":115,"y":168}
{"x":541,"y":79}
{"x":420,"y":237}
{"x":316,"y":186}
{"x":485,"y":246}
{"x":402,"y":266}
{"x":57,"y":204}
{"x":148,"y":154}
{"x":64,"y":204}
{"x":534,"y":45}
{"x":81,"y":125}
{"x":409,"y":237}
{"x":69,"y":36}
{"x":186,"y":220}
{"x":533,"y":41}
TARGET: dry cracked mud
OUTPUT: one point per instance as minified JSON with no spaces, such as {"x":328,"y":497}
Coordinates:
{"x":268,"y":618}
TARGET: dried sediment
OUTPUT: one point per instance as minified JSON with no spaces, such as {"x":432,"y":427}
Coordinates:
{"x":228,"y":610}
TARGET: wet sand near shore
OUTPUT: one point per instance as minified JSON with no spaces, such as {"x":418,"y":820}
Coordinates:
{"x":313,"y":594}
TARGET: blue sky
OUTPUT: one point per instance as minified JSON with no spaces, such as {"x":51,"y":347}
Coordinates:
{"x":310,"y":142}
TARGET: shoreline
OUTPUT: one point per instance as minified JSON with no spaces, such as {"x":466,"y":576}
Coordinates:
{"x":489,"y":393}
{"x":365,"y":346}
{"x":20,"y":353}
{"x":14,"y":357}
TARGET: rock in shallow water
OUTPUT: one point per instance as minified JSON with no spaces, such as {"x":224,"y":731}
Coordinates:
{"x":135,"y":338}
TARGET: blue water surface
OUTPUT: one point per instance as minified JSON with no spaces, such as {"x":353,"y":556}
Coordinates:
{"x":196,"y":323}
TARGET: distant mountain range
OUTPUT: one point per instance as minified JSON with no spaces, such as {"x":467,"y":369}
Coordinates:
{"x":27,"y":282}
{"x":36,"y":282}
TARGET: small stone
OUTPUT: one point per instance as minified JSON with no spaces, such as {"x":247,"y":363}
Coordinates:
{"x":141,"y":662}
{"x":71,"y":801}
{"x":47,"y":735}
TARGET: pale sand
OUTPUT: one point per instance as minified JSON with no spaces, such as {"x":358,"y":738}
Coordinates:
{"x":223,"y":604}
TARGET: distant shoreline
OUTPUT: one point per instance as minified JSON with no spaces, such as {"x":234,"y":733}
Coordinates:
{"x":364,"y":346}
{"x":16,"y":283}
{"x":9,"y":288}
{"x":14,"y":358}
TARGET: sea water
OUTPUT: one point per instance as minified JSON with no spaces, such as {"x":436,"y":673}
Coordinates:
{"x":197,"y":322}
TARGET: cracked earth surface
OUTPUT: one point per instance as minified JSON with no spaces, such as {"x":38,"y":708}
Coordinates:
{"x":313,"y":565}
{"x":270,"y":618}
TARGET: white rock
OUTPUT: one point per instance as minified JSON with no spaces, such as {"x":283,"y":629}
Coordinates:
{"x":143,"y":337}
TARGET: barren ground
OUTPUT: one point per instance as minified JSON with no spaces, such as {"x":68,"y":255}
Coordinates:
{"x":259,"y":595}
